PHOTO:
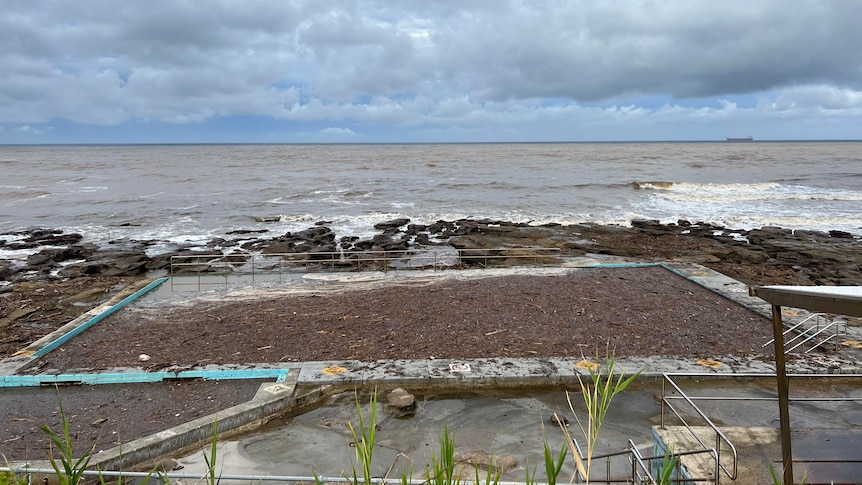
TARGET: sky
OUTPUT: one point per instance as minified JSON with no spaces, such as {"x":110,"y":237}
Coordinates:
{"x":314,"y":71}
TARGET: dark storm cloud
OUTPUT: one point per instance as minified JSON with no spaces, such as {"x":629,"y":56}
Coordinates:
{"x":415,"y":62}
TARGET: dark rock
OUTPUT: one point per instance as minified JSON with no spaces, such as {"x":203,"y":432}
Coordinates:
{"x":125,"y":262}
{"x":278,"y":247}
{"x":441,"y":228}
{"x":363,"y":245}
{"x":393,"y":224}
{"x":6,"y":270}
{"x":216,"y":242}
{"x":841,"y":234}
{"x":314,"y":234}
{"x":246,"y":231}
{"x":749,"y":255}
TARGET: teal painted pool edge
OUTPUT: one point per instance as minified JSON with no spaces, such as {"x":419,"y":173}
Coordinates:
{"x":622,"y":265}
{"x":280,"y":375}
{"x":125,"y":301}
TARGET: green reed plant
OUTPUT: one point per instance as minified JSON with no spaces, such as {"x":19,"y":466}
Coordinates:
{"x":492,"y":476}
{"x":598,"y":392}
{"x":664,"y":474}
{"x":442,"y":468}
{"x":10,"y":477}
{"x":211,"y":460}
{"x":363,"y":439}
{"x":553,"y":464}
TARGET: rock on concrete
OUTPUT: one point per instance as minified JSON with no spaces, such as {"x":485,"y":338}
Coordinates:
{"x":400,"y":403}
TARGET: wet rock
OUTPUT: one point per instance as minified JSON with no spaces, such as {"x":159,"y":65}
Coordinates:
{"x":805,"y":257}
{"x":122,"y":262}
{"x":318,"y":235}
{"x":239,"y":232}
{"x":393,"y":224}
{"x":749,"y":255}
{"x":400,"y":403}
{"x":841,"y":234}
{"x":275,"y":247}
{"x":442,"y":228}
{"x":89,"y":295}
{"x":6,"y":270}
{"x":15,"y":315}
{"x":52,"y":256}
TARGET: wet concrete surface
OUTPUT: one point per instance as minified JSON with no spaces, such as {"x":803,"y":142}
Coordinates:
{"x":511,"y":422}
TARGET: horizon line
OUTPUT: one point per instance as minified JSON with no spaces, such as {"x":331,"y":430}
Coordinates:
{"x":735,"y":141}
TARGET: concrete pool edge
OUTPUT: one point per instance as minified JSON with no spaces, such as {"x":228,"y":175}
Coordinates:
{"x":318,"y":379}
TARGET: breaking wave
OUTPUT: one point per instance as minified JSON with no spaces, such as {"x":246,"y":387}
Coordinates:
{"x":728,"y":193}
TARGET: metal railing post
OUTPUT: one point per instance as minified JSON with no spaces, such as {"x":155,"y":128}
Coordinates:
{"x":717,"y":472}
{"x":661,"y":418}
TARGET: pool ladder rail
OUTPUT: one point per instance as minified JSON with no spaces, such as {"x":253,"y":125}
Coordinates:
{"x":816,"y":329}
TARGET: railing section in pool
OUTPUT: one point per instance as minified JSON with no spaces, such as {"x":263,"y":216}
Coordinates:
{"x":723,"y":452}
{"x":214,"y":269}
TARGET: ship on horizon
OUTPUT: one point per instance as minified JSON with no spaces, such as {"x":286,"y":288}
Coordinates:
{"x":747,"y":138}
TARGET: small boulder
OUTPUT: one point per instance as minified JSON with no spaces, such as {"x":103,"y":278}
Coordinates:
{"x":400,"y":403}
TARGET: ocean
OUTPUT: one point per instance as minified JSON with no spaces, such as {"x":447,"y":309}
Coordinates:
{"x":192,"y":193}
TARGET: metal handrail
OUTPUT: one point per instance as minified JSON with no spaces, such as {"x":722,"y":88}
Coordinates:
{"x":810,"y":333}
{"x":719,"y":436}
{"x":815,"y":334}
{"x":641,"y":466}
{"x":790,"y":329}
{"x":666,"y":400}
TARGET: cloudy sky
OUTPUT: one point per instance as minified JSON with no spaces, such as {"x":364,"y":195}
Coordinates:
{"x":168,"y":71}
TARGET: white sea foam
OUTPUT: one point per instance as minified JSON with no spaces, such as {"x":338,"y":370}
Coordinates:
{"x":731,"y":193}
{"x":706,"y":187}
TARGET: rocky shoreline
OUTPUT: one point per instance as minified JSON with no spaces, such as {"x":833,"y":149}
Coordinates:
{"x":66,"y":275}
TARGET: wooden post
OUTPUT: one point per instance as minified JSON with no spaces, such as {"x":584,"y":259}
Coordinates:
{"x":783,"y":395}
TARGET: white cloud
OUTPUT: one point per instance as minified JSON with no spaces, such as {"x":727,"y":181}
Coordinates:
{"x":30,"y":130}
{"x":822,"y":96}
{"x":337,"y":131}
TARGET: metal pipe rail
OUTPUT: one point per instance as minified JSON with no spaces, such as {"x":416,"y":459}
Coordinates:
{"x":720,"y":437}
{"x":794,"y":327}
{"x":666,"y":401}
{"x":428,"y":256}
{"x":809,"y":333}
{"x":650,"y":459}
{"x":196,"y":478}
{"x":641,"y":466}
